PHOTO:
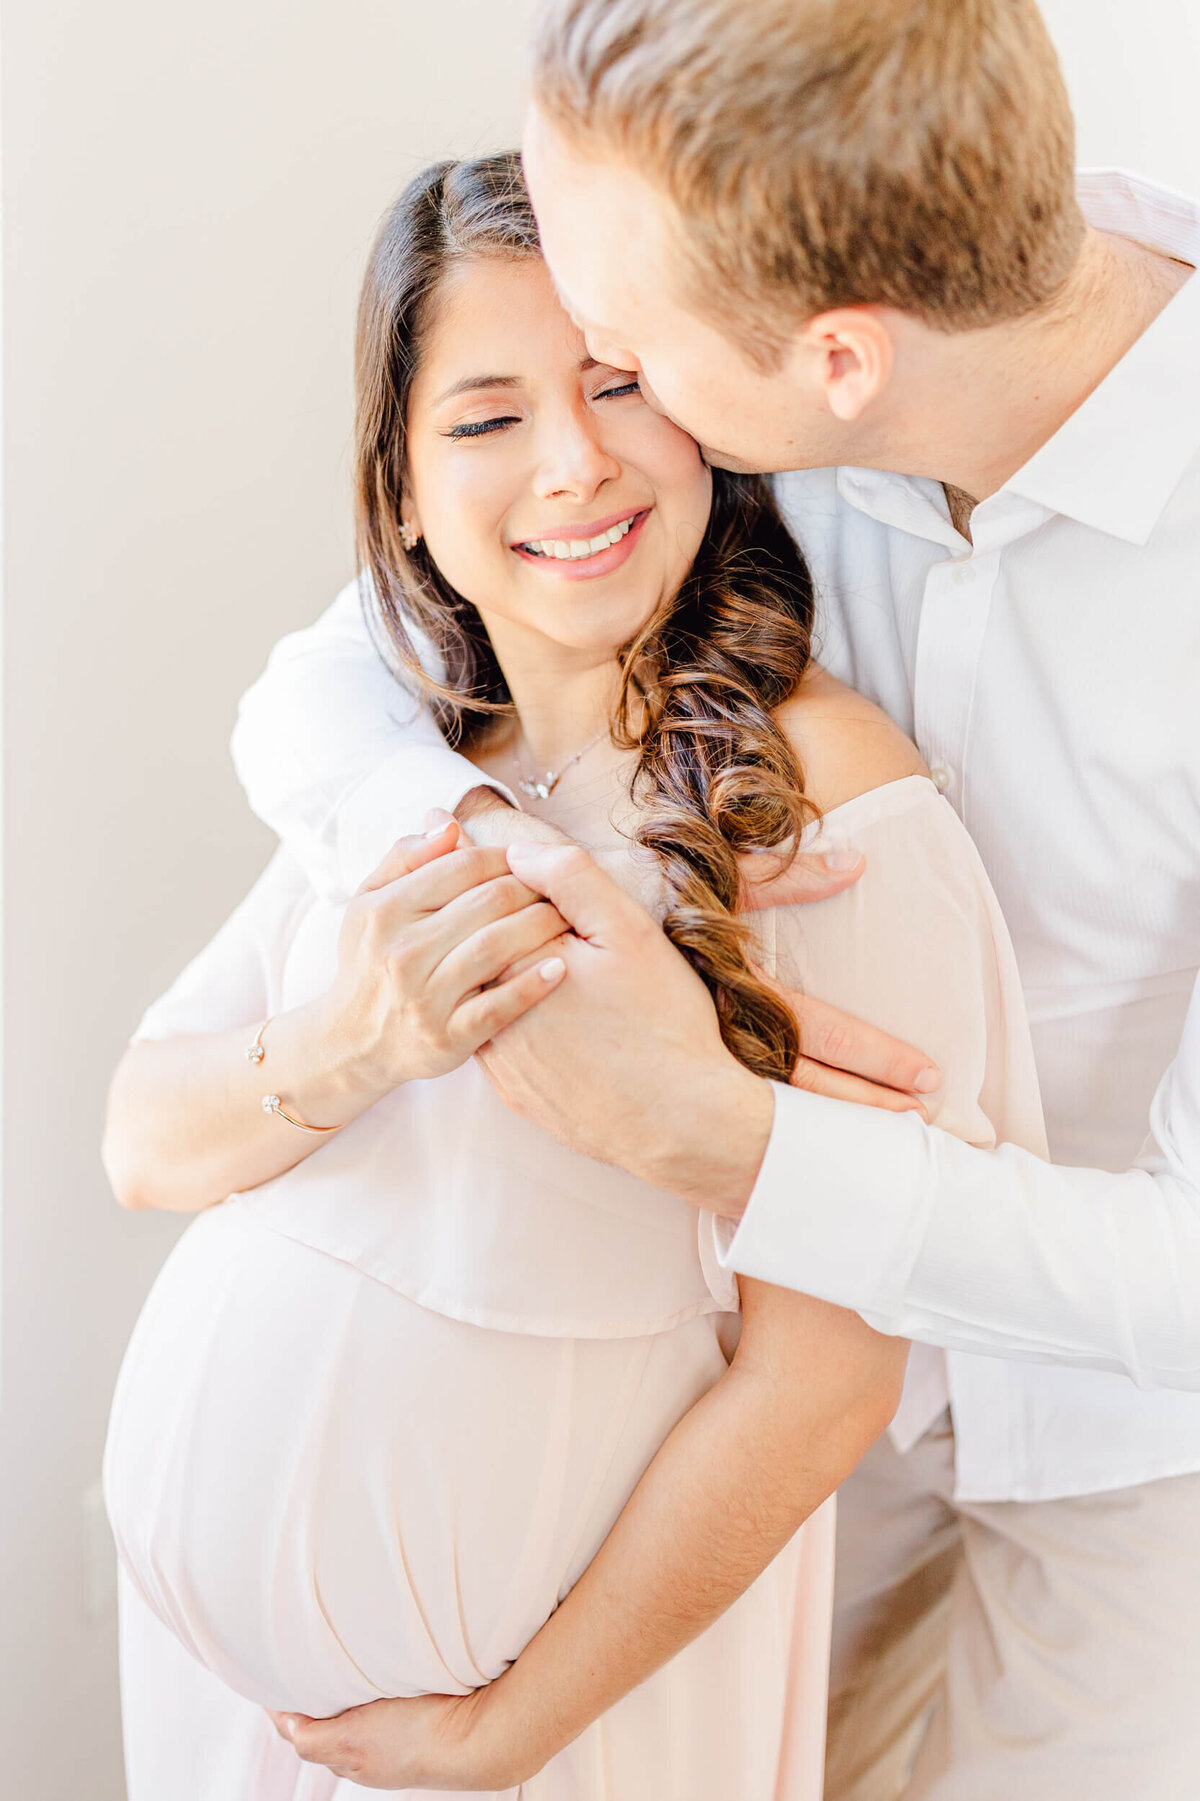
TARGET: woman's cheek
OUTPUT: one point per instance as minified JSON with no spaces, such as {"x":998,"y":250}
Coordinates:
{"x":463,"y":521}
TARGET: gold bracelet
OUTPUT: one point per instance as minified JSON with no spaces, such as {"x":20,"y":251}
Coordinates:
{"x":271,"y":1102}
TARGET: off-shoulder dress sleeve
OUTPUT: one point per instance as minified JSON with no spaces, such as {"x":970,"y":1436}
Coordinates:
{"x":919,"y":947}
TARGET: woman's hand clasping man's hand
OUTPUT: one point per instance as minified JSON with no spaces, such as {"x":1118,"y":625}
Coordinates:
{"x":441,"y":948}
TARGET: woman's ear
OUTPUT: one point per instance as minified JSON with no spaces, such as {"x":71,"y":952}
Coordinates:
{"x":851,"y":353}
{"x":411,"y":530}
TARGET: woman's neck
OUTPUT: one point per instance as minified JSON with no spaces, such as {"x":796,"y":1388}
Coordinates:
{"x":563,"y":698}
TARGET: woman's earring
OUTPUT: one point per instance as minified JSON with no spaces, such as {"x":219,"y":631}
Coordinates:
{"x":410,"y":537}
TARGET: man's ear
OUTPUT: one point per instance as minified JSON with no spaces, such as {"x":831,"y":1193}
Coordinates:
{"x":850,"y":352}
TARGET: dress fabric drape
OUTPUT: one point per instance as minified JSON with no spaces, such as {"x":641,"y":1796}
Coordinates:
{"x":353,"y":1454}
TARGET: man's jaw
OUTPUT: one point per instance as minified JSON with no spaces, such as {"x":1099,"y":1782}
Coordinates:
{"x":724,"y":459}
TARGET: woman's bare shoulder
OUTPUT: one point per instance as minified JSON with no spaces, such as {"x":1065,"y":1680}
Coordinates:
{"x":846,"y":744}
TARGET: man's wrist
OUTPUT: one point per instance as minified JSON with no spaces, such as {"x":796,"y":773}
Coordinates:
{"x":714,"y":1148}
{"x":501,"y":825}
{"x":479,"y":801}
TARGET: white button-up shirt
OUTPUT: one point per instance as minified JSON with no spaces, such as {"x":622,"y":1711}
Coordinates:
{"x":1050,"y":673}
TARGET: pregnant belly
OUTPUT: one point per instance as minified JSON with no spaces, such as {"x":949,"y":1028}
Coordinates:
{"x":330,"y":1493}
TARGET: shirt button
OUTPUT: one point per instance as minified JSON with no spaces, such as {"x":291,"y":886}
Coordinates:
{"x":943,"y":778}
{"x":964,"y":573}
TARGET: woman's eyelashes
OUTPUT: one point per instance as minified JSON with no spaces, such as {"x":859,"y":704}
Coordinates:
{"x":478,"y":428}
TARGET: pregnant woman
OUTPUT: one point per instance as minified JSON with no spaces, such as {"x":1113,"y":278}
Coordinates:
{"x":395,"y":1386}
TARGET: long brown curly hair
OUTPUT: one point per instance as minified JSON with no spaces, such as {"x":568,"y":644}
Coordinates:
{"x":715,"y":775}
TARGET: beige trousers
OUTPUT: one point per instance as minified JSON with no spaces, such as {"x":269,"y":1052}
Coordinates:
{"x":1012,"y":1651}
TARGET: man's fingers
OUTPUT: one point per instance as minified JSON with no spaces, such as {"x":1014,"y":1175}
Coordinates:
{"x":478,"y":1020}
{"x":842,"y":1042}
{"x":486,"y":954}
{"x":811,"y":876}
{"x":412,"y":853}
{"x":818,"y":1078}
{"x":592,"y":904}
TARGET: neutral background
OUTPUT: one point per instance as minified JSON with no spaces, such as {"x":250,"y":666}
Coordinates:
{"x":189,"y":194}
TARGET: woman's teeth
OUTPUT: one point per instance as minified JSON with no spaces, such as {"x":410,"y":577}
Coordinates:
{"x":579,"y":547}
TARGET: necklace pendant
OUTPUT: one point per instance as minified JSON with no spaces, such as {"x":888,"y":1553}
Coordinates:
{"x":541,"y":787}
{"x":541,"y":790}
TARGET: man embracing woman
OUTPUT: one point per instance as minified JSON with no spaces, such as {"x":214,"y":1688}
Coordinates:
{"x":575,"y":1165}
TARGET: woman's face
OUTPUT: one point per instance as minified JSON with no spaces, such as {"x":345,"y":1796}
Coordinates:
{"x":549,"y":494}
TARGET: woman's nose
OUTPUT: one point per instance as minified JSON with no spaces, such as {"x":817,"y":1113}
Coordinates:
{"x":574,"y":461}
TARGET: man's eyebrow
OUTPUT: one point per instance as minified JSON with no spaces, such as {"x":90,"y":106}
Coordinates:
{"x":470,"y":384}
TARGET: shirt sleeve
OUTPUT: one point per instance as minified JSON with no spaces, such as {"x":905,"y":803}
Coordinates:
{"x":235,"y":979}
{"x":337,"y":756}
{"x":991,"y":1251}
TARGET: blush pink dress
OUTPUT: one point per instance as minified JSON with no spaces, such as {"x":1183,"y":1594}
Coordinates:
{"x":378,"y":1415}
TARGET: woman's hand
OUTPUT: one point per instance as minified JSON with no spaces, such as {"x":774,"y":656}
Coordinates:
{"x":423,"y":954}
{"x":433,"y":1742}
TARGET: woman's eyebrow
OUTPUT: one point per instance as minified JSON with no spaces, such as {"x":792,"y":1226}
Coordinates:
{"x":471,"y":383}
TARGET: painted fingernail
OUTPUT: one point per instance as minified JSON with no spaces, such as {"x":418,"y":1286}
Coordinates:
{"x":551,"y":969}
{"x":289,"y":1725}
{"x":928,"y":1080}
{"x":843,"y":858}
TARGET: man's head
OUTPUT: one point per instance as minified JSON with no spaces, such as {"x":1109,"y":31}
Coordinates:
{"x":758,"y":203}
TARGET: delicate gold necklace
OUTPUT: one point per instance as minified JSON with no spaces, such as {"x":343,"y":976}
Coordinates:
{"x":541,"y":787}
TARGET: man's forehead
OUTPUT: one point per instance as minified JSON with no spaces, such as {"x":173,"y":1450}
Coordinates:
{"x":601,"y":231}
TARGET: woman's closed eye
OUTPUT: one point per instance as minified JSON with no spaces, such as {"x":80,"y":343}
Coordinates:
{"x":478,"y":428}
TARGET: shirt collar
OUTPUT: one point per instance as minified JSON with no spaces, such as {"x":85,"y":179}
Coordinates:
{"x":1117,"y":460}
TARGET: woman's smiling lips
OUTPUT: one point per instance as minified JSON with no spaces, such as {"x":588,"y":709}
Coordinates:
{"x":560,"y":551}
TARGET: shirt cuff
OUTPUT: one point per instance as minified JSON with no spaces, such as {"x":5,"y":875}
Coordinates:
{"x":393,"y":800}
{"x":840,"y":1205}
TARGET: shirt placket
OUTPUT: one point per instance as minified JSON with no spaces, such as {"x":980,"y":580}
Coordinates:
{"x":954,"y":615}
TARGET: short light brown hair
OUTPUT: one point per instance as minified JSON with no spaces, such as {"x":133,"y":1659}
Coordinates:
{"x":822,"y":153}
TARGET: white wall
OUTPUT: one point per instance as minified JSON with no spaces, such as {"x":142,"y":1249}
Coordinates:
{"x":1133,"y":67}
{"x":189,"y":194}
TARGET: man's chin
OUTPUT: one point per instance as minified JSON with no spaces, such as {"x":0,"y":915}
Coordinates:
{"x":724,"y":459}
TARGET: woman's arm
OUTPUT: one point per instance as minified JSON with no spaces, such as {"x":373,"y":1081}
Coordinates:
{"x":185,"y":1125}
{"x":809,"y":1390}
{"x":419,"y":946}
